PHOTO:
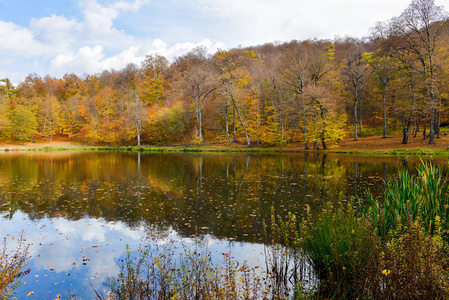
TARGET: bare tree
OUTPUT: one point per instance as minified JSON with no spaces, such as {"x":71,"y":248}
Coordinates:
{"x":419,"y":28}
{"x":135,"y":114}
{"x":383,"y":64}
{"x":295,"y":65}
{"x":200,"y":82}
{"x":354,"y":71}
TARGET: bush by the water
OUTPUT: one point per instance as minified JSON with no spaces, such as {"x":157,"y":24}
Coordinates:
{"x":13,"y":268}
{"x":395,"y":248}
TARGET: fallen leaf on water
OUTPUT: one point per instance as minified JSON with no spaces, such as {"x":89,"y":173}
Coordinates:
{"x":30,"y":293}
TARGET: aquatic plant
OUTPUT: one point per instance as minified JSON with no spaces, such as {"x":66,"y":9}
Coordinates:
{"x":13,"y":267}
{"x":159,"y":273}
{"x":411,"y":197}
{"x":342,"y":248}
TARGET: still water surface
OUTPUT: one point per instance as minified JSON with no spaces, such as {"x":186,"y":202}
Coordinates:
{"x":79,"y":210}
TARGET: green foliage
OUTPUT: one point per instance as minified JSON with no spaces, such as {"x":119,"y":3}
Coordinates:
{"x":167,"y":125}
{"x":342,"y":248}
{"x":369,"y":131}
{"x":414,"y":265}
{"x":353,"y":262}
{"x":422,"y":197}
{"x":23,"y":123}
{"x":7,"y":90}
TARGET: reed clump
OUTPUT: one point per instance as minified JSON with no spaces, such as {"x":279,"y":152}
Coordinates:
{"x":423,"y":197}
{"x":395,"y":247}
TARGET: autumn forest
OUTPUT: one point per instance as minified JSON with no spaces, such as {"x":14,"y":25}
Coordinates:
{"x":313,"y":93}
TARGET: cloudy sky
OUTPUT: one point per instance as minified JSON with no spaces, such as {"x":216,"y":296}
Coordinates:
{"x":88,"y":36}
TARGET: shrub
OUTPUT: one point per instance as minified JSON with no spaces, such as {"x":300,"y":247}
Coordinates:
{"x":343,"y":250}
{"x":413,"y":265}
{"x":13,"y":268}
{"x":157,"y":274}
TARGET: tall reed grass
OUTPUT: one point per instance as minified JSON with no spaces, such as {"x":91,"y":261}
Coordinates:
{"x":424,"y":197}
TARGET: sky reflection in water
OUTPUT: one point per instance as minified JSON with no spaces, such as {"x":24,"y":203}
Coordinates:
{"x":78,"y":211}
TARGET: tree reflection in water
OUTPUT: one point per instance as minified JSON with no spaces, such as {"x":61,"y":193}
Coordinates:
{"x":119,"y":198}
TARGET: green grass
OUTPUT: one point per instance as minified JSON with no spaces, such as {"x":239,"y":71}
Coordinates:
{"x":423,"y":197}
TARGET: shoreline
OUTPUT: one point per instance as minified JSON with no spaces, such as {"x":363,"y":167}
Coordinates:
{"x":209,"y":149}
{"x":370,"y":146}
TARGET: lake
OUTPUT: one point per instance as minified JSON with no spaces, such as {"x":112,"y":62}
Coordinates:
{"x":79,"y":210}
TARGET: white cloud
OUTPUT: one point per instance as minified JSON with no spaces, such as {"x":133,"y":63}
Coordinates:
{"x":85,"y":59}
{"x":100,"y":36}
{"x":134,"y":6}
{"x":99,"y":19}
{"x":261,"y":21}
{"x":18,"y":39}
{"x":54,"y":30}
{"x":93,"y":60}
{"x":178,"y":49}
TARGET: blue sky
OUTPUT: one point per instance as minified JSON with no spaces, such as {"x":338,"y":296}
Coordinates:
{"x":55,"y":37}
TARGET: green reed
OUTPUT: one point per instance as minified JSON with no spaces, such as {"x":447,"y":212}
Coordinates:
{"x":423,"y":196}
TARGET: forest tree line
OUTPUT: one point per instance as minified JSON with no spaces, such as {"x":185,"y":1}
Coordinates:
{"x":314,"y":92}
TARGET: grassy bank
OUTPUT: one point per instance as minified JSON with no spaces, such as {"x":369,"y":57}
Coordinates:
{"x":370,"y":145}
{"x":211,"y":149}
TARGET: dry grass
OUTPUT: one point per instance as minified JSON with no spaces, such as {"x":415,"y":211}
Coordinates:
{"x":390,"y":143}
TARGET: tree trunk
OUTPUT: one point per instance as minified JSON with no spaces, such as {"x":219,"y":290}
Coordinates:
{"x":323,"y":142}
{"x":355,"y":115}
{"x":241,"y":122}
{"x":432,"y":126}
{"x":417,"y":120}
{"x":138,"y":134}
{"x":200,"y":129}
{"x":384,"y":107}
{"x":306,"y":147}
{"x":233,"y":122}
{"x":438,"y":120}
{"x":361,"y":120}
{"x":227,"y":123}
{"x":425,"y":126}
{"x":293,"y":130}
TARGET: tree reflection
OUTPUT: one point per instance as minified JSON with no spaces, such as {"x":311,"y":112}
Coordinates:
{"x":227,"y":195}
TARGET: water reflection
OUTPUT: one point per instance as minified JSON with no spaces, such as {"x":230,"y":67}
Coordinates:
{"x":75,"y":206}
